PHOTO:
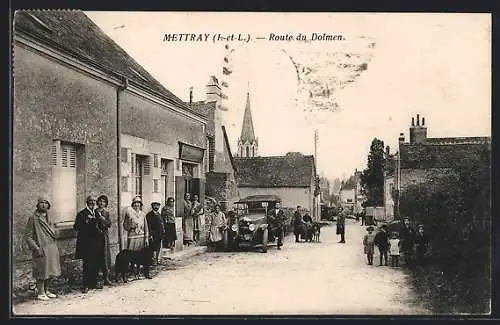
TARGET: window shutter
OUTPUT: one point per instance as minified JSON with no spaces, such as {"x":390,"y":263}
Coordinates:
{"x":54,"y":150}
{"x":132,"y":163}
{"x":147,"y":166}
{"x":64,"y":157}
{"x":72,"y":157}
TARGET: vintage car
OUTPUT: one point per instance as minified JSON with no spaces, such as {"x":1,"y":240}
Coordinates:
{"x":248,"y":222}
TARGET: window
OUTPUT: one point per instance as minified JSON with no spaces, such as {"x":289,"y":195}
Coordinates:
{"x":64,"y":181}
{"x":155,"y":160}
{"x":164,"y":178}
{"x":248,"y":151}
{"x":187,"y":169}
{"x":349,"y":200}
{"x":156,"y":186}
{"x":139,"y":174}
{"x":253,"y":151}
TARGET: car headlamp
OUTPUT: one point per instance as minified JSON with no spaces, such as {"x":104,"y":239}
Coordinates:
{"x":251,"y":227}
{"x":234,"y":227}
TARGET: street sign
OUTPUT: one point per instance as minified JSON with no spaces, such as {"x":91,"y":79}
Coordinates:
{"x":264,"y":204}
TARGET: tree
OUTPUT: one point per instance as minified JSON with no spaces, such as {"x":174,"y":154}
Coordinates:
{"x":372,"y":178}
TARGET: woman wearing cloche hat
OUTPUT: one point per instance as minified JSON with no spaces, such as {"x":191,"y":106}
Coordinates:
{"x":136,"y":225}
{"x":41,"y":240}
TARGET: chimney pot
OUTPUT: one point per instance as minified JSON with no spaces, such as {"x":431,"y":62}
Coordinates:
{"x":190,"y":95}
{"x":418,"y":120}
{"x":412,"y":121}
{"x":423,"y":121}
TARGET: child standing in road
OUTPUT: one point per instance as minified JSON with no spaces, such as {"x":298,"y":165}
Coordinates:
{"x":394,"y":249}
{"x":368,"y":243}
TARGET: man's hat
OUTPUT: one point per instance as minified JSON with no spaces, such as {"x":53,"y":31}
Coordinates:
{"x":369,"y":228}
{"x":155,"y":203}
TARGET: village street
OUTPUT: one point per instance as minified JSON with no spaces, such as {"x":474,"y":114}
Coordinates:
{"x":302,"y":278}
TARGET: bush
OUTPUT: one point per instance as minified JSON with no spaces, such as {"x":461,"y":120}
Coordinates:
{"x":455,"y":210}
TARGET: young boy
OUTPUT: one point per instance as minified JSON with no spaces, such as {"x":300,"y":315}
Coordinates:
{"x":394,"y":244}
{"x":368,"y":243}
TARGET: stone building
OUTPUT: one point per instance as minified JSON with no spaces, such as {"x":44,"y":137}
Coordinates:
{"x":220,"y":168}
{"x":88,"y":119}
{"x":423,"y":158}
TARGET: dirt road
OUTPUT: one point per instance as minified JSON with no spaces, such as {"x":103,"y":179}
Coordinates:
{"x":326,"y":278}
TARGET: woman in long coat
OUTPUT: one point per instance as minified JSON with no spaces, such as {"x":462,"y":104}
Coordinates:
{"x":168,"y":216}
{"x":197,"y":212}
{"x":136,"y":226}
{"x":104,"y":222}
{"x":187,"y":220}
{"x":41,"y":240}
{"x":89,"y":244}
{"x":217,"y":225}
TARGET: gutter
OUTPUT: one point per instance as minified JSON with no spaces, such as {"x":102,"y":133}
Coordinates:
{"x":119,"y":90}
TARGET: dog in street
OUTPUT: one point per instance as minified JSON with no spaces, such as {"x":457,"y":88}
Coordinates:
{"x":128,"y":261}
{"x":316,"y":230}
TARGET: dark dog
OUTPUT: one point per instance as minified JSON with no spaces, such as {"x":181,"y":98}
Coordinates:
{"x":128,"y":261}
{"x":316,"y":230}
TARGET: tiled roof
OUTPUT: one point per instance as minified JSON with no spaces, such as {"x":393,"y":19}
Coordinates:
{"x":459,"y":140}
{"x":72,"y":32}
{"x":292,"y":170}
{"x":440,"y":155}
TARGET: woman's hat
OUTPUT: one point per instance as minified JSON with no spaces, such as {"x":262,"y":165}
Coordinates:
{"x":43,"y":198}
{"x":137,"y":199}
{"x":104,"y":198}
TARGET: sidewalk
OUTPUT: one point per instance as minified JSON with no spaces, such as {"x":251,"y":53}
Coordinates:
{"x":62,"y":286}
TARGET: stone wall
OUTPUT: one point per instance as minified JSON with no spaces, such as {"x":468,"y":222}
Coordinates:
{"x":54,"y":102}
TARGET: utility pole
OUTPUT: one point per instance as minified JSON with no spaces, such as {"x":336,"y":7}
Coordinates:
{"x":316,"y":138}
{"x":316,"y":199}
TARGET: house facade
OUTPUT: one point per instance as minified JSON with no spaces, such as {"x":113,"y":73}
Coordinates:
{"x":88,"y":119}
{"x":292,"y":177}
{"x":422,"y":159}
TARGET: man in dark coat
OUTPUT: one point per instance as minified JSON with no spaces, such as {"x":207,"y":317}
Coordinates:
{"x":341,"y":225}
{"x":421,"y":243}
{"x":298,"y":226}
{"x":407,"y":235}
{"x":89,"y":244}
{"x":156,"y":230}
{"x":381,"y":240}
{"x":277,"y":220}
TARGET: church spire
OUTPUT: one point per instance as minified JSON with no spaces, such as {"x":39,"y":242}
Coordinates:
{"x":247,"y":144}
{"x":247,"y":132}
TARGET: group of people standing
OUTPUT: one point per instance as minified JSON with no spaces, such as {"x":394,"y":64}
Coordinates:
{"x":302,"y":225}
{"x":406,"y":242}
{"x":193,"y":210}
{"x":92,"y":225}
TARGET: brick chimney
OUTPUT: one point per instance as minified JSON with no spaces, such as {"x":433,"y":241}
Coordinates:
{"x":418,"y":133}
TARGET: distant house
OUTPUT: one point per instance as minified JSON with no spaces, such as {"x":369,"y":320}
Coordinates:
{"x":350,"y":193}
{"x":292,"y":177}
{"x":423,"y":158}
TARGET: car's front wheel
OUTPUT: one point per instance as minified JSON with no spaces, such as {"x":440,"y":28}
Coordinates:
{"x":265,"y":235}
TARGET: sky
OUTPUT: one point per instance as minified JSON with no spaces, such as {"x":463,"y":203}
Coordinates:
{"x":433,"y":64}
